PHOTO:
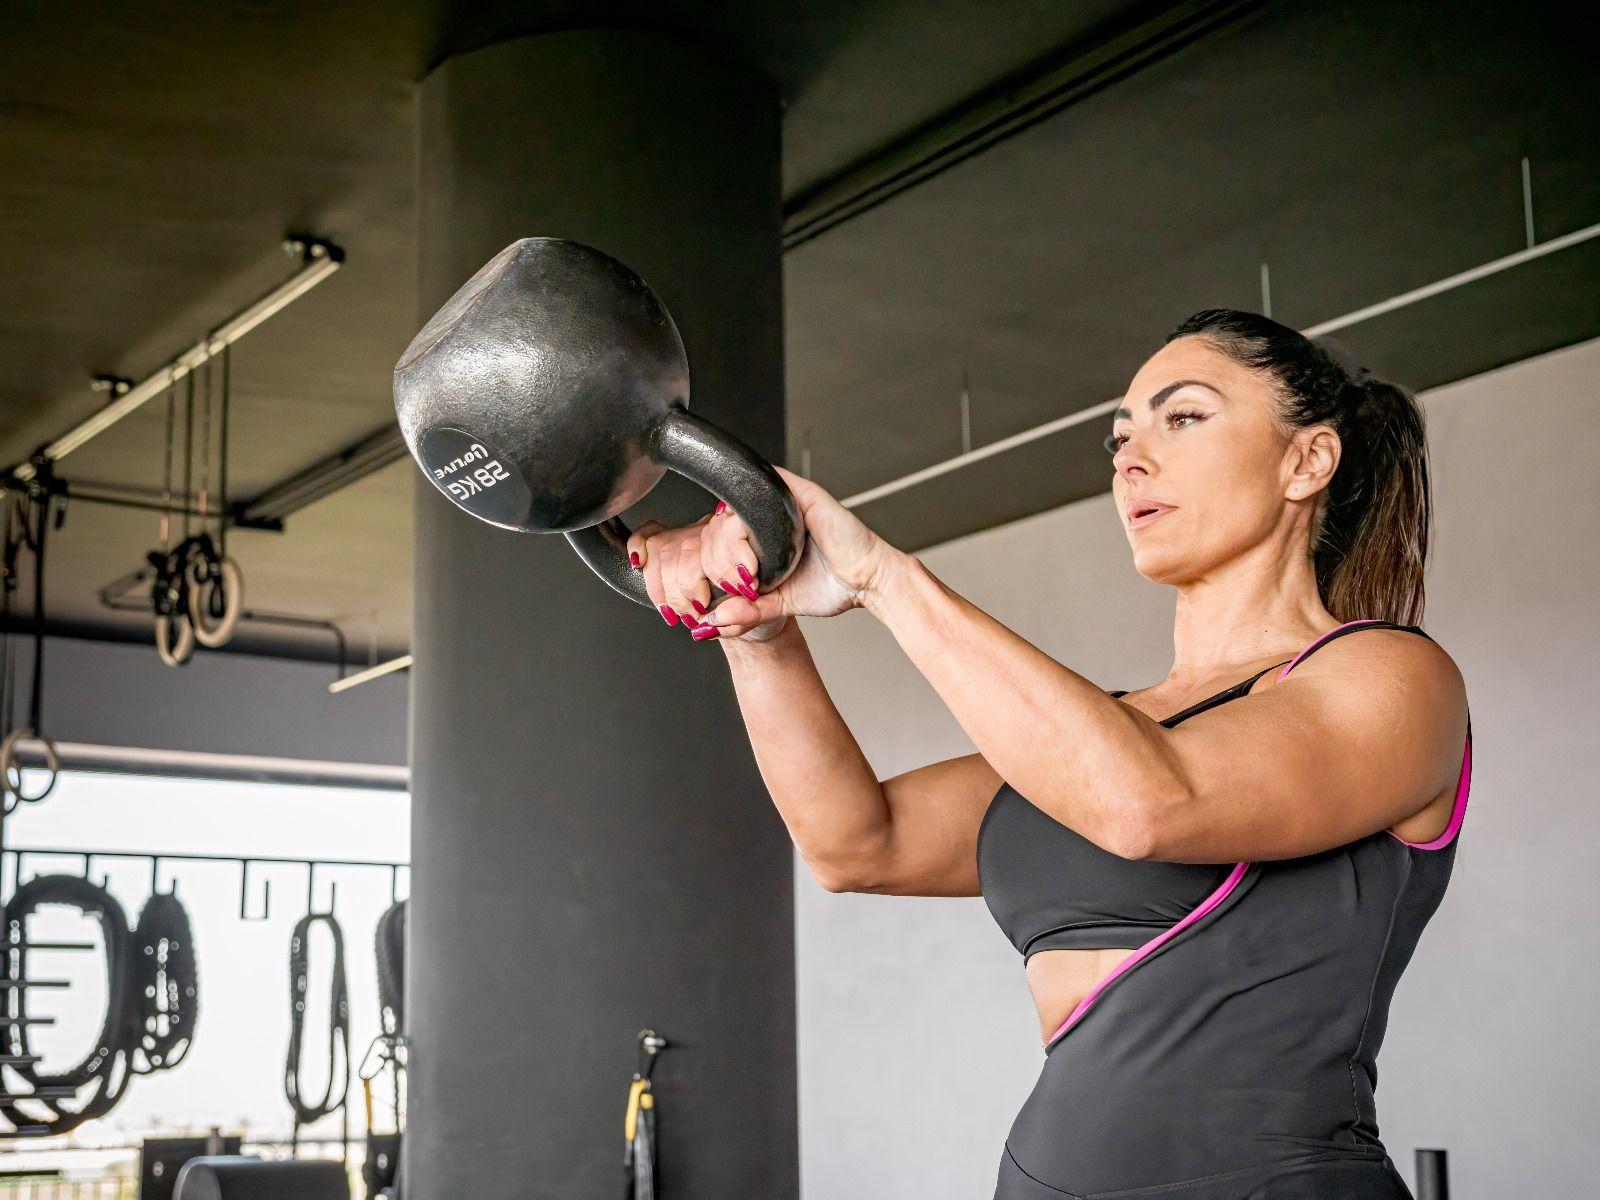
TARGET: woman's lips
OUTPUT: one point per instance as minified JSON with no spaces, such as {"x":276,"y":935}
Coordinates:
{"x":1145,"y":511}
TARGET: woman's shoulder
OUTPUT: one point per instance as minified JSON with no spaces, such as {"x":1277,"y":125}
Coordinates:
{"x":1400,"y":669}
{"x":1408,"y":647}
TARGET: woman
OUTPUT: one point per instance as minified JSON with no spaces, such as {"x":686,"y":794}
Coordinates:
{"x":1214,"y":906}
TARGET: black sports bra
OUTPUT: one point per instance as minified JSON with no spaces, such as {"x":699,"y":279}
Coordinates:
{"x":1050,"y":888}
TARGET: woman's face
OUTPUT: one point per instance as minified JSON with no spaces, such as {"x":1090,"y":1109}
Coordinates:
{"x":1204,"y":472}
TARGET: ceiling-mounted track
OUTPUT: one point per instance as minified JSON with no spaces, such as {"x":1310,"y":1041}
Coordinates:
{"x":318,"y":260}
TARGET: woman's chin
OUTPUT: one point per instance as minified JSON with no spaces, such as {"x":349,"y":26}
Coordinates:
{"x":1160,"y":565}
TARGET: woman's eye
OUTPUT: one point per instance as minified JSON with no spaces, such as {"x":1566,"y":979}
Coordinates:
{"x":1118,"y":440}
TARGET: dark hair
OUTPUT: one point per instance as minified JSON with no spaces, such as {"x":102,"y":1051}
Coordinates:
{"x":1370,"y":541}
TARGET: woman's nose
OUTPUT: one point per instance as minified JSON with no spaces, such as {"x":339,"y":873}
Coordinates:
{"x":1131,"y":461}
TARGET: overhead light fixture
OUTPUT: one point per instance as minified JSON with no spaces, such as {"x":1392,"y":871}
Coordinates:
{"x":319,"y":259}
{"x":383,"y":668}
{"x":339,"y":470}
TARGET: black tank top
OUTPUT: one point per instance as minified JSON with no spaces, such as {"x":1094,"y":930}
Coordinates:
{"x":1240,"y":1043}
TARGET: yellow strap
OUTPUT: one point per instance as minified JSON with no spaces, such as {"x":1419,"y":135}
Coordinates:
{"x":366,"y":1087}
{"x":630,"y":1122}
{"x":647,"y":1101}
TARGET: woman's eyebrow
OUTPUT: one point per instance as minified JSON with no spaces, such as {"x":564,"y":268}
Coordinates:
{"x":1161,"y":397}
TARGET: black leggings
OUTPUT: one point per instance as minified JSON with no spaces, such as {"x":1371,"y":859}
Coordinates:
{"x":1325,"y":1178}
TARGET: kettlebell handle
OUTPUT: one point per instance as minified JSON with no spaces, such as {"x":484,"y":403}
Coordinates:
{"x":728,"y":469}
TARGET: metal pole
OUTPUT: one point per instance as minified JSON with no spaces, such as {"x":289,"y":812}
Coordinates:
{"x":1433,"y":1176}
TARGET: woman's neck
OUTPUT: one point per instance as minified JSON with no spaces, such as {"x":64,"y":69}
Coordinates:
{"x":1257,"y":608}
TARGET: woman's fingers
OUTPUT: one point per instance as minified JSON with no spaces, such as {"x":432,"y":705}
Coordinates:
{"x":637,"y":548}
{"x":738,"y":615}
{"x":653,"y":585}
{"x":682,"y":565}
{"x":685,"y":579}
{"x":726,"y":557}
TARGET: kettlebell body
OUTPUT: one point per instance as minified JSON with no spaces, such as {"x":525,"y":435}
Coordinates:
{"x":550,"y":393}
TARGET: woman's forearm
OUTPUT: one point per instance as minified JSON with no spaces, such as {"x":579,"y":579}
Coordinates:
{"x":824,"y":788}
{"x":1093,"y":764}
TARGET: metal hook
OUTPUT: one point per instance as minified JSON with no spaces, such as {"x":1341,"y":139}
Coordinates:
{"x":88,"y":872}
{"x":266,"y":894}
{"x":311,"y":883}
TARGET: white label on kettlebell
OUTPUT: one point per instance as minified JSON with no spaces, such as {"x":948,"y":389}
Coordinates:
{"x":475,"y":476}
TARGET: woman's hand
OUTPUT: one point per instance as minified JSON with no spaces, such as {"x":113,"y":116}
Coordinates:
{"x":841,"y":559}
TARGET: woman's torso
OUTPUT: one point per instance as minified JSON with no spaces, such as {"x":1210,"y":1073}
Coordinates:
{"x":1245,"y":1002}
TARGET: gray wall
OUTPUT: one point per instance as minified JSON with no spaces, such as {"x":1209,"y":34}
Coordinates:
{"x":121,"y":694}
{"x":917,"y":1037}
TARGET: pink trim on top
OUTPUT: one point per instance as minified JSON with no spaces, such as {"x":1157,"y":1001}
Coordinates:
{"x":1144,"y":951}
{"x":1225,"y":889}
{"x":1458,"y":810}
{"x":1294,"y":661}
{"x":1463,"y":783}
{"x":1210,"y":902}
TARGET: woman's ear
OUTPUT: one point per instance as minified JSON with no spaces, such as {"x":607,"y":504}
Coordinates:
{"x":1312,"y":457}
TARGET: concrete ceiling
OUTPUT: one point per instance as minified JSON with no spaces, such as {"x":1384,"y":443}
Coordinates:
{"x":157,"y":153}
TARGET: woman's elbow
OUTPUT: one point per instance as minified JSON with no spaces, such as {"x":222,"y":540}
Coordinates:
{"x":836,"y":874}
{"x":1131,"y":837}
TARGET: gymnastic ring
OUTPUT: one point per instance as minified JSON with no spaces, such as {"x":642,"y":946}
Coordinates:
{"x":174,"y":656}
{"x":231,"y":582}
{"x":9,"y":766}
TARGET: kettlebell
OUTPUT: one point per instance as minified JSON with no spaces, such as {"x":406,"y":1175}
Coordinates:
{"x":551,"y":392}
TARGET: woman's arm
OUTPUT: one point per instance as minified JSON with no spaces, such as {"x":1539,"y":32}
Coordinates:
{"x":1090,"y":761}
{"x":913,"y":834}
{"x":1360,"y":737}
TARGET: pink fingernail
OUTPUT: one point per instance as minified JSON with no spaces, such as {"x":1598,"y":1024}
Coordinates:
{"x":744,"y":573}
{"x":698,"y":607}
{"x":705,"y":633}
{"x":748,"y":592}
{"x":721,"y":507}
{"x":724,"y":585}
{"x":690,"y":621}
{"x":667,"y":615}
{"x":633,"y":557}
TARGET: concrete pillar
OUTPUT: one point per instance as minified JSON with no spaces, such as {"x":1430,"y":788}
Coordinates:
{"x":593,"y":849}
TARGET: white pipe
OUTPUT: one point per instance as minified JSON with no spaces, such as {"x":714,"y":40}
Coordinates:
{"x":1110,"y":406}
{"x":383,"y":668}
{"x":1455,"y":281}
{"x":982,"y":452}
{"x":195,"y":764}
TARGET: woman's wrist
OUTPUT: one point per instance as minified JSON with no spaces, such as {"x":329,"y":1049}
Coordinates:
{"x":890,"y":580}
{"x":748,"y":647}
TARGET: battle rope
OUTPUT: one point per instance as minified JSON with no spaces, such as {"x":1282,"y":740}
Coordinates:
{"x":118,"y":1032}
{"x":338,"y":1024}
{"x":390,"y":943}
{"x":167,"y":985}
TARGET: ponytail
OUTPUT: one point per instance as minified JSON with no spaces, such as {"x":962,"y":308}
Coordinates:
{"x":1369,"y":546}
{"x":1371,"y":543}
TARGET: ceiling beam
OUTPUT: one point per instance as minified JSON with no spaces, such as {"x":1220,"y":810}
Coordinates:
{"x":1001,"y":112}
